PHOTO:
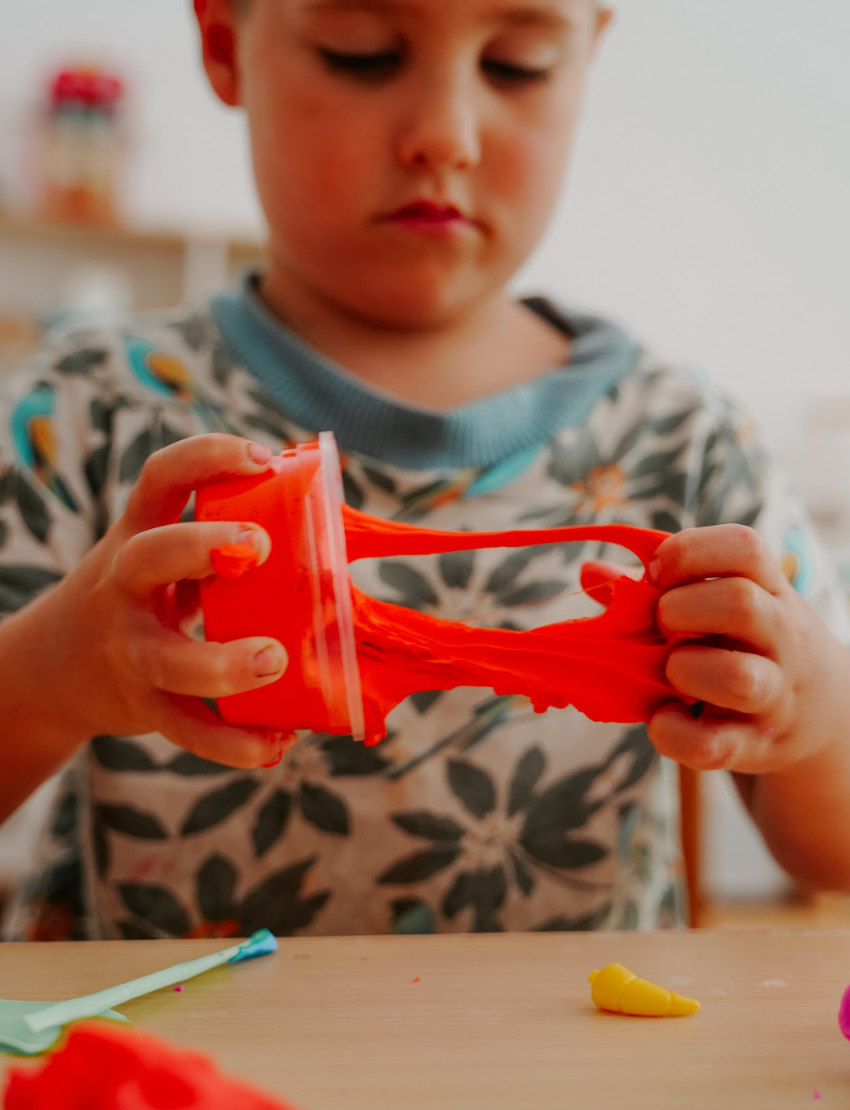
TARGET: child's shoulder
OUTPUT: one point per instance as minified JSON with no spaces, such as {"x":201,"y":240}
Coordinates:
{"x":160,"y":353}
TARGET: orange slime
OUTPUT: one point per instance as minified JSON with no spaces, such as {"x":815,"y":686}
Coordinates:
{"x":348,"y":651}
{"x":610,"y":667}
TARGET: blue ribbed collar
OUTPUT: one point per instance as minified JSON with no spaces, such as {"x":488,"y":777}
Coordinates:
{"x":320,"y":394}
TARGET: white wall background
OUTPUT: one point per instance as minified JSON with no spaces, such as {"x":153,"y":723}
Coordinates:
{"x":709,"y":204}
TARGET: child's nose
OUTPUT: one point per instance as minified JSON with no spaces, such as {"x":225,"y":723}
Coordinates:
{"x":440,"y":127}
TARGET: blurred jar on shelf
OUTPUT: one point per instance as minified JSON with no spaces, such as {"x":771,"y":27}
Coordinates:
{"x":81,"y":147}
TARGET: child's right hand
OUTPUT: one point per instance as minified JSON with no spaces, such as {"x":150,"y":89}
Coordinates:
{"x":112,"y":628}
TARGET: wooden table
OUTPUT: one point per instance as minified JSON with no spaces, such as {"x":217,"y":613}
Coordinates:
{"x":493,"y":1022}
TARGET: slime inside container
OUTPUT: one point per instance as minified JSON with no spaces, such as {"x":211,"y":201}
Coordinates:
{"x":352,"y":658}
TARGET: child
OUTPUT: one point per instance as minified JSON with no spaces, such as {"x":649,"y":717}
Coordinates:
{"x":407,"y":156}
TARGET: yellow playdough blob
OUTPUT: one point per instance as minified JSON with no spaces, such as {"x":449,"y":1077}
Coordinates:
{"x":619,"y":990}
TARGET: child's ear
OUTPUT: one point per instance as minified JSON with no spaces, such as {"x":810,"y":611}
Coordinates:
{"x":218,"y":22}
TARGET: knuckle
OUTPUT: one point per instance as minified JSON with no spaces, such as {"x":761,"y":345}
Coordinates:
{"x":744,"y":680}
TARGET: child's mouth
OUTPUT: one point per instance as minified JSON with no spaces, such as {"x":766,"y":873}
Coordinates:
{"x":430,"y":217}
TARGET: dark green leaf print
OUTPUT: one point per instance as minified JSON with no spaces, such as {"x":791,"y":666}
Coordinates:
{"x":82,"y":361}
{"x":100,"y":844}
{"x":217,"y":889}
{"x":524,"y":878}
{"x":100,"y":415}
{"x":135,"y":456}
{"x":8,"y":480}
{"x":219,"y":805}
{"x":660,"y":463}
{"x":506,"y":573}
{"x":33,"y":511}
{"x":429,"y":826}
{"x":416,"y":592}
{"x":570,"y":854}
{"x":19,"y":585}
{"x":485,"y":891}
{"x":526,"y":776}
{"x":666,"y":522}
{"x":117,"y":754}
{"x":346,"y":757}
{"x":472,"y":786}
{"x":419,"y":866}
{"x":459,"y":896}
{"x":192,"y":330}
{"x":352,"y":492}
{"x":412,"y":917}
{"x":533,"y":594}
{"x":587,"y":923}
{"x":131,"y":822}
{"x":271,"y":821}
{"x":378,"y":478}
{"x":323,"y":809}
{"x":96,"y":469}
{"x":157,"y":906}
{"x":558,"y":810}
{"x":223,"y":363}
{"x":133,"y":930}
{"x":424,"y":699}
{"x":636,"y":743}
{"x":65,"y":816}
{"x":673,"y":485}
{"x":664,"y":425}
{"x":276,"y":904}
{"x":456,"y":568}
{"x":269,"y":426}
{"x":188,"y":764}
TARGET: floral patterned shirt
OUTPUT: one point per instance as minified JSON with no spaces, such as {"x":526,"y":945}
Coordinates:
{"x":475,"y":813}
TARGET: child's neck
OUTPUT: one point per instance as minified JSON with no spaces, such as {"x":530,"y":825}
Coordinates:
{"x":496,"y":346}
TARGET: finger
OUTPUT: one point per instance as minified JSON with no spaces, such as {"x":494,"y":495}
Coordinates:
{"x":733,"y":607}
{"x":174,"y":552}
{"x":726,"y":550}
{"x":717,"y":741}
{"x":173,"y":663}
{"x":197,"y":728}
{"x":169,"y":476}
{"x":734,"y":680}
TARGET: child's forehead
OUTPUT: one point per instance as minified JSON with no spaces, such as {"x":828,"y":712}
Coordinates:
{"x":553,"y":12}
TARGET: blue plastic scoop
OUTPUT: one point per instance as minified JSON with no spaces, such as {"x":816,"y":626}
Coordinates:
{"x":30,"y":1028}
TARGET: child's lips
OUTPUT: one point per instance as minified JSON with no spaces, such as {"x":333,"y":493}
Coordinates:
{"x":429,"y":216}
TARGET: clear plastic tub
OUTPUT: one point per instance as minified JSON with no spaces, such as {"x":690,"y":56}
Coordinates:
{"x":301,"y":595}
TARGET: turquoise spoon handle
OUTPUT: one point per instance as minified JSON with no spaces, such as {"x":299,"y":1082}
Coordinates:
{"x":91,"y":1004}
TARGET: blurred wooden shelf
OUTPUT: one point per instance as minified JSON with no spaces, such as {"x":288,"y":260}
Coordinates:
{"x":162,"y":267}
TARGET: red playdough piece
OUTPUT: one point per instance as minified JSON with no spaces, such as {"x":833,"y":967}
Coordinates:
{"x":844,"y":1014}
{"x":611,"y":667}
{"x":101,"y":1067}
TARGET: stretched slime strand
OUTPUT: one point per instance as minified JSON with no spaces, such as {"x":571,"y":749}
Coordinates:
{"x":610,"y":667}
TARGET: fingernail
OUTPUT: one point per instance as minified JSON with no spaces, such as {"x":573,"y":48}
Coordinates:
{"x":258,"y":452}
{"x":274,"y":762}
{"x":271,"y":660}
{"x":653,"y":570}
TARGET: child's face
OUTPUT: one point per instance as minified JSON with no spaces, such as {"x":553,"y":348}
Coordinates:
{"x":408,"y":153}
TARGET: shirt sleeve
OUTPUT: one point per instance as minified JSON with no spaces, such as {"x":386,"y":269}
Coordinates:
{"x":741,"y":483}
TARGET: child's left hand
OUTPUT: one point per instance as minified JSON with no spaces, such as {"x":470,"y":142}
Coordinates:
{"x":772,"y":676}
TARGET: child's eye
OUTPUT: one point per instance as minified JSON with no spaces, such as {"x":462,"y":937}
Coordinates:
{"x":509,"y":73}
{"x":385,"y":63}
